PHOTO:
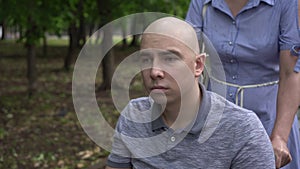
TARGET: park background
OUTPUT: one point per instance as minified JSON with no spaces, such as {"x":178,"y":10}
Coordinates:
{"x":40,"y":41}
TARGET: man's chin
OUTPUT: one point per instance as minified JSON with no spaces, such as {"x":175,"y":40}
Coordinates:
{"x":159,"y":98}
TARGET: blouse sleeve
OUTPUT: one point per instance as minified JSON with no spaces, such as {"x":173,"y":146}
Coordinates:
{"x":289,"y":34}
{"x":194,"y":14}
{"x":295,"y":51}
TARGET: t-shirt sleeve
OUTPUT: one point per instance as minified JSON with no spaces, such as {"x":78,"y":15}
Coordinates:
{"x":120,"y":155}
{"x":255,"y":146}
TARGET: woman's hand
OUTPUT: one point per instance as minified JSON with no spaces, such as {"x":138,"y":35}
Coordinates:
{"x":281,"y":151}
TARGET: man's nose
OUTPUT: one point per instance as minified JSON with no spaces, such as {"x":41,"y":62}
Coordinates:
{"x":156,"y":70}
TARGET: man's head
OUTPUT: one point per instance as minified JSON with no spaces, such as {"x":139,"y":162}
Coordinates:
{"x":170,"y":59}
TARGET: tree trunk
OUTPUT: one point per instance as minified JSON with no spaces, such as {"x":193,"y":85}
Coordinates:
{"x":124,"y":43}
{"x":31,"y":35}
{"x":31,"y":68}
{"x":124,"y":40}
{"x":72,"y":46}
{"x":98,"y":36}
{"x":81,"y":32}
{"x":134,"y":40}
{"x":108,"y":61}
{"x":133,"y":28}
{"x":105,"y":8}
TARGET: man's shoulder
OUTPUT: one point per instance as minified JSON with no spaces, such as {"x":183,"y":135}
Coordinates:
{"x":136,"y":106}
{"x":135,"y":119}
{"x":136,"y":112}
{"x":231,"y":113}
{"x":141,"y":103}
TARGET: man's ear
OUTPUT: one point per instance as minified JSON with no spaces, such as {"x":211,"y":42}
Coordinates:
{"x":199,"y":64}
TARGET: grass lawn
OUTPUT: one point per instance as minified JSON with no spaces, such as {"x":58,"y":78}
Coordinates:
{"x":43,"y":131}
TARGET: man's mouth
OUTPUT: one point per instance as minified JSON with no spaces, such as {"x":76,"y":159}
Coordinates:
{"x":158,"y":88}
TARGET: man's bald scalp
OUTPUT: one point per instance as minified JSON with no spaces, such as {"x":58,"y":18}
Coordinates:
{"x":175,"y":28}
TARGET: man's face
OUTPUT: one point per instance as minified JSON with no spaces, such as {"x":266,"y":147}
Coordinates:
{"x":168,"y":68}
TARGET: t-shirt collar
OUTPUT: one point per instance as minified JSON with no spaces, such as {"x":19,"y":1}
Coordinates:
{"x":198,"y":123}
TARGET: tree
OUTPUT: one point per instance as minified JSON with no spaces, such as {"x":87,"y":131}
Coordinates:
{"x":4,"y":17}
{"x":105,"y":11}
{"x":79,"y":14}
{"x":34,"y":18}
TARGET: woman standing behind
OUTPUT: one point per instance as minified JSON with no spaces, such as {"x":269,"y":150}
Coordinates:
{"x":253,"y":39}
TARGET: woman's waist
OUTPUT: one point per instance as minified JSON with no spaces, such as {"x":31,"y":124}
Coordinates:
{"x":245,"y":80}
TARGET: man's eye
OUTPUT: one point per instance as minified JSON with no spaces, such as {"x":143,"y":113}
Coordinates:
{"x":170,"y":58}
{"x":145,"y":61}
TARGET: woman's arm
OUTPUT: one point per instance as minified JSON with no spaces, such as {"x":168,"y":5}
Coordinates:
{"x":288,"y":100}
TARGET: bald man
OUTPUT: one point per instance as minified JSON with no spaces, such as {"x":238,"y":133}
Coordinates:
{"x":180,"y":124}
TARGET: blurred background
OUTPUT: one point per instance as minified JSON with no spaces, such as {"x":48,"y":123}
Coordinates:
{"x":39,"y":43}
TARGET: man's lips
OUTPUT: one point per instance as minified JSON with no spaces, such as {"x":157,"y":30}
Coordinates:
{"x":158,"y":88}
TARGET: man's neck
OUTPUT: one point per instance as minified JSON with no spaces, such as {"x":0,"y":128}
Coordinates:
{"x":183,"y":114}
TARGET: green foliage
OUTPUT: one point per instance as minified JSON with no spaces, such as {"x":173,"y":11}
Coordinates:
{"x":174,"y":7}
{"x":32,"y":133}
{"x":35,"y":17}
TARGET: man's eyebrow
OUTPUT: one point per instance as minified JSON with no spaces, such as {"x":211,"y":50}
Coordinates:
{"x":145,"y":53}
{"x":175,"y":52}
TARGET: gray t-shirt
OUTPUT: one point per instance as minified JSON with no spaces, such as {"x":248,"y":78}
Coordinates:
{"x":223,"y":136}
